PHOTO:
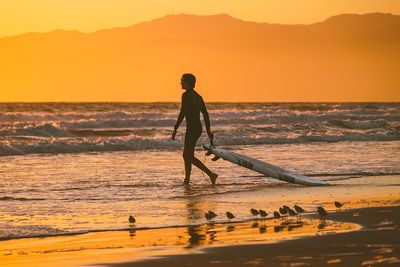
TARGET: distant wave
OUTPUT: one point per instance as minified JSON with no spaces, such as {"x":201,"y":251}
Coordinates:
{"x":43,"y":130}
{"x":277,"y":122}
{"x":355,"y":124}
{"x":132,"y":144}
{"x":90,"y":127}
{"x":7,"y":198}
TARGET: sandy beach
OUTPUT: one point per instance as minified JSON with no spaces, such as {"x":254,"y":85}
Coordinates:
{"x":364,"y":236}
{"x":376,"y":243}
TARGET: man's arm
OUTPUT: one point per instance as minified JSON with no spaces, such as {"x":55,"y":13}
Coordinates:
{"x":206,"y":117}
{"x":180,"y":117}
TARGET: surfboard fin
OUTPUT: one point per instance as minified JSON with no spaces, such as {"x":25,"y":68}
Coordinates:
{"x":215,"y":158}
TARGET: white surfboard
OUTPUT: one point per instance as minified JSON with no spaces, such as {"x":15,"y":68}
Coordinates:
{"x":262,"y":167}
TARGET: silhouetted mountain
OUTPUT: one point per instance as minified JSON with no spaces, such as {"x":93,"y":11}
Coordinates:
{"x":346,"y":57}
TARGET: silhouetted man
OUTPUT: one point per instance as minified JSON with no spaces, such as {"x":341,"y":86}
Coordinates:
{"x":192,"y":105}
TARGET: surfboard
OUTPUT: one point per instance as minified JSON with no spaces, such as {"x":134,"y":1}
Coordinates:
{"x":262,"y":167}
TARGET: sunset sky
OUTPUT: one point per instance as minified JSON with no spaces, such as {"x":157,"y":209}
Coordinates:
{"x":347,"y":59}
{"x":20,"y":16}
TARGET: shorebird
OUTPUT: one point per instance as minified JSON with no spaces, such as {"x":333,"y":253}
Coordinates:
{"x":285,"y":207}
{"x":263,"y":213}
{"x":254,"y":212}
{"x":291,"y":212}
{"x":230,"y":215}
{"x":298,"y":209}
{"x":338,"y":204}
{"x":277,"y":215}
{"x":283,"y":211}
{"x":132,"y":219}
{"x":210,"y":215}
{"x":322,"y":212}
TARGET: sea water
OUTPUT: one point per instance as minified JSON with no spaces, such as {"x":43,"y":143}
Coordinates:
{"x":80,"y":167}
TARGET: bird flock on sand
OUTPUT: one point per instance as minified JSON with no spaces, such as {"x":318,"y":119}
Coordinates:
{"x":284,"y":211}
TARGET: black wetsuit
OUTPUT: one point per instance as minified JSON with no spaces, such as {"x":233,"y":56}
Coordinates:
{"x":192,"y":105}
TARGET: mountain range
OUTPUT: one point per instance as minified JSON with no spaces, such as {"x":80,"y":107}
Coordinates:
{"x":348,"y":57}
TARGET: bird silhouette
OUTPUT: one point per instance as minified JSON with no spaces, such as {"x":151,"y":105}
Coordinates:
{"x":210,"y":215}
{"x":285,"y":207}
{"x":230,"y":215}
{"x":291,"y":212}
{"x":263,"y":213}
{"x":322,"y":212}
{"x":338,"y":204}
{"x":283,"y":211}
{"x":132,"y":219}
{"x":298,"y":209}
{"x":254,"y":212}
{"x":277,"y":215}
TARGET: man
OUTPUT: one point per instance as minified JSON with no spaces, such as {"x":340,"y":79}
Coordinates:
{"x":192,"y":105}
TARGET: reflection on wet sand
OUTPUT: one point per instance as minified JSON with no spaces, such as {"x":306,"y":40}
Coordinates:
{"x":249,"y":231}
{"x":141,"y":244}
{"x":135,"y":244}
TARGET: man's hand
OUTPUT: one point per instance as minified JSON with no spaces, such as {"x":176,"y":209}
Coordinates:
{"x":173,"y":135}
{"x":211,"y":137}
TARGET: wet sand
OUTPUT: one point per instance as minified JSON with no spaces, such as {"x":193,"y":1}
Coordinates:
{"x":377,"y":242}
{"x":366,"y":236}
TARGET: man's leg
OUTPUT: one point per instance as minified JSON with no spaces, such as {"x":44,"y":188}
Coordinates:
{"x":196,"y":162}
{"x":188,"y":155}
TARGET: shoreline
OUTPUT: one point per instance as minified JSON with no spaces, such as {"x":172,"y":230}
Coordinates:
{"x":212,"y":243}
{"x":374,"y":242}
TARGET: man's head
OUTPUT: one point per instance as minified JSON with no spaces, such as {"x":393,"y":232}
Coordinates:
{"x":188,"y":81}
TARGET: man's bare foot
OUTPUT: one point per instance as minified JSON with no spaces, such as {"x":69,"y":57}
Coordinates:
{"x":185,"y":182}
{"x":213,"y":178}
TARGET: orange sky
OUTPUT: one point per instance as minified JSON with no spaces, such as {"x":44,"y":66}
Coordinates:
{"x":20,"y":16}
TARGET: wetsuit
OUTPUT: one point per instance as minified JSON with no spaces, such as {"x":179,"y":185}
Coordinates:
{"x":192,"y":105}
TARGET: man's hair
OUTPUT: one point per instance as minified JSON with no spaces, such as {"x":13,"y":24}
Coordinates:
{"x":190,"y":79}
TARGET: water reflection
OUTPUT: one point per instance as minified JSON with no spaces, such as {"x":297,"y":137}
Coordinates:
{"x":230,"y":228}
{"x":197,"y":234}
{"x":210,"y":233}
{"x":132,"y":233}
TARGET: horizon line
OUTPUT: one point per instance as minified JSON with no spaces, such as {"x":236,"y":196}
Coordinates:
{"x":146,"y":102}
{"x":189,"y":14}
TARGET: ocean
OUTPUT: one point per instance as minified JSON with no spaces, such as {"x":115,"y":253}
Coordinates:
{"x":71,"y":168}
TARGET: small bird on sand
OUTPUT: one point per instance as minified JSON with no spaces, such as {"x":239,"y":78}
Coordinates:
{"x":283,"y":211}
{"x":132,"y":219}
{"x":210,"y":215}
{"x":298,"y":209}
{"x":277,"y":215}
{"x":230,"y":215}
{"x":322,"y":212}
{"x":285,"y":207}
{"x":263,"y":213}
{"x":338,"y":204}
{"x":291,"y":212}
{"x":254,"y":212}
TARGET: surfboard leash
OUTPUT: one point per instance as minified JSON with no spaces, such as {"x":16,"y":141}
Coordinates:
{"x":204,"y":162}
{"x":202,"y":173}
